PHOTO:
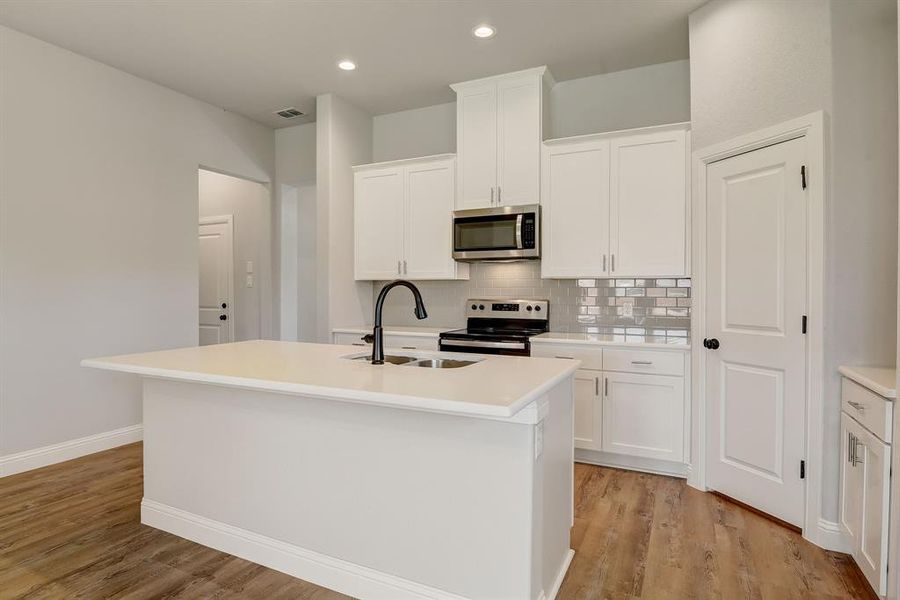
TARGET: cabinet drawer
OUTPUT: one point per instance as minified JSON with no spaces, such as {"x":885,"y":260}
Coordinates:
{"x":643,"y":361}
{"x":591,"y":358}
{"x":867,"y":407}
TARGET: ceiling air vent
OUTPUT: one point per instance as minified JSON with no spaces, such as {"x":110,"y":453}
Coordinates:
{"x":289,"y":113}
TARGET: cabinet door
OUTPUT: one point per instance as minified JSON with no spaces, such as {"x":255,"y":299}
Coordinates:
{"x":873,"y":457}
{"x":643,"y":415}
{"x":410,"y":342}
{"x":429,"y":206}
{"x":648,"y":205}
{"x":519,"y":143}
{"x":588,"y":410}
{"x":575,"y":210}
{"x":378,"y":223}
{"x":349,"y":339}
{"x":851,"y":483}
{"x":476,"y":145}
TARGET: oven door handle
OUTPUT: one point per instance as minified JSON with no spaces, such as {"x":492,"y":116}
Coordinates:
{"x":477,"y":344}
{"x":519,"y":219}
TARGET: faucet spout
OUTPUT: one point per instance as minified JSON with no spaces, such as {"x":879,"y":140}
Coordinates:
{"x":378,"y":333}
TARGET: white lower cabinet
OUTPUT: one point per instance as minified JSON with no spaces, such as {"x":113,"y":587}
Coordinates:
{"x":643,"y":415}
{"x":395,"y":341}
{"x":628,"y":403}
{"x":865,"y":499}
{"x":588,"y":409}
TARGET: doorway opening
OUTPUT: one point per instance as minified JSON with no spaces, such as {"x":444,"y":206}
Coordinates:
{"x":235,"y":259}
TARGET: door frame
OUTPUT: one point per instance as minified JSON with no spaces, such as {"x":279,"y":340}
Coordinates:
{"x":812,"y":127}
{"x":228,"y":221}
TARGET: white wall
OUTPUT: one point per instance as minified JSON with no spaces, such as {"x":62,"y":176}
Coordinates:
{"x":343,"y":139}
{"x":98,"y":232}
{"x":755,"y":64}
{"x":651,"y":95}
{"x":412,"y":133}
{"x":295,"y":174}
{"x":250,"y":204}
{"x":641,"y":97}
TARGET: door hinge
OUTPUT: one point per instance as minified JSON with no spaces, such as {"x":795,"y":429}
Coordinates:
{"x":802,"y":469}
{"x":803,"y":177}
{"x":803,"y":325}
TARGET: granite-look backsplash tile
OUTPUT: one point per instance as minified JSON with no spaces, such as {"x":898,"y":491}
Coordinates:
{"x":576,"y":305}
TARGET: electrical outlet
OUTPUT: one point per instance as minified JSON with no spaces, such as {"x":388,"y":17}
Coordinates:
{"x":249,"y":283}
{"x":628,"y":307}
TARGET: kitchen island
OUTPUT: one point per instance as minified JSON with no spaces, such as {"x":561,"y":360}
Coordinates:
{"x":390,"y":481}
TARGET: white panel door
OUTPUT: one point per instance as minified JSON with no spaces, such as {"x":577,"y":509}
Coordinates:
{"x":519,"y":145}
{"x":476,"y":145}
{"x":648,"y":205}
{"x":851,"y":483}
{"x":588,"y":410}
{"x":643,"y":415}
{"x":429,"y":228}
{"x":575,"y":210}
{"x":873,"y":457}
{"x":216,"y":268}
{"x":378,"y":216}
{"x":756,"y":299}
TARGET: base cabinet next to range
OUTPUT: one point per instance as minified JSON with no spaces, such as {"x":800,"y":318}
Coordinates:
{"x":630,"y":405}
{"x":391,"y":340}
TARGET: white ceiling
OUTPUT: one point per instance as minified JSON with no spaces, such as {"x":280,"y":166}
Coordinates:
{"x":253,"y":57}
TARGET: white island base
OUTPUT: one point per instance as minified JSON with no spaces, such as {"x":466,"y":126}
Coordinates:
{"x":370,"y":500}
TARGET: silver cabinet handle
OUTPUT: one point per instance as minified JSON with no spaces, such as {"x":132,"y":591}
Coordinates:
{"x":856,"y":444}
{"x":566,"y":357}
{"x":492,"y":196}
{"x":596,"y":386}
{"x":642,"y":362}
{"x":604,"y":263}
{"x":856,"y":405}
{"x":614,"y":263}
{"x":408,"y":347}
{"x":404,"y":268}
{"x":606,"y":386}
{"x":498,"y":196}
{"x":398,"y":267}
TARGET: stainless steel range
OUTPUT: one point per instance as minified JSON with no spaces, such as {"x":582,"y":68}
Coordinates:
{"x":498,"y":327}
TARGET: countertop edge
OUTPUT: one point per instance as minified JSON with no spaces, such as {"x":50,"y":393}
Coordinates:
{"x":448,"y":407}
{"x":388,"y":330}
{"x":636,"y":345}
{"x":854,"y":374}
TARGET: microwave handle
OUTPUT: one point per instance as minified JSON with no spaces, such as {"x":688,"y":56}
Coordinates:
{"x":519,"y":230}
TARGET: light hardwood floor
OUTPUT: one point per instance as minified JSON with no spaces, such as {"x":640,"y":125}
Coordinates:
{"x":73,"y":531}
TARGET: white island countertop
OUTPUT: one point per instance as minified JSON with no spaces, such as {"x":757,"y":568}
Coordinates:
{"x":881,"y":380}
{"x":497,"y":386}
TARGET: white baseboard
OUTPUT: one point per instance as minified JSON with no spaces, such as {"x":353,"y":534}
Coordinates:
{"x":326,"y":571}
{"x":828,"y":535}
{"x":57,"y":453}
{"x":631,"y":463}
{"x":557,"y":583}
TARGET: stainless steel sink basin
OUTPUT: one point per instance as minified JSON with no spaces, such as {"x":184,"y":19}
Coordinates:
{"x":390,"y":358}
{"x":441,"y":363}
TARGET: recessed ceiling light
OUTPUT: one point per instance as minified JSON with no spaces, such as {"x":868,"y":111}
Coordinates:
{"x":347,"y":65}
{"x":484,"y":31}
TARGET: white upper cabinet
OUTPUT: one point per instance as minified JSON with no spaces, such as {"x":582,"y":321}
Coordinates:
{"x":402,"y":220}
{"x":648,"y":204}
{"x":617,"y":204}
{"x":499,"y":128}
{"x":575,"y":210}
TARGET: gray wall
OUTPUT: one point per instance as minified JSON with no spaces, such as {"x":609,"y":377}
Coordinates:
{"x":755,"y":64}
{"x":98,"y":232}
{"x":651,"y":95}
{"x":250,"y":205}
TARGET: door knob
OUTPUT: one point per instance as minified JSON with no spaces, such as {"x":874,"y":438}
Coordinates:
{"x":711,"y":343}
{"x":224,"y":305}
{"x":223,"y":317}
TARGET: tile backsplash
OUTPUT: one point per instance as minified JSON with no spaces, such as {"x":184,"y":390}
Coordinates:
{"x":576,"y":305}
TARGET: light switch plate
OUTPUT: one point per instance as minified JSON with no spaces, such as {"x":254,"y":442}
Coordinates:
{"x":249,"y":281}
{"x":249,"y":267}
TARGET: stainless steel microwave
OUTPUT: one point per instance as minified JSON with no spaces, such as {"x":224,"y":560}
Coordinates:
{"x":500,"y":233}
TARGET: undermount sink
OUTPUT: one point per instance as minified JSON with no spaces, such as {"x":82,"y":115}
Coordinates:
{"x":441,"y":363}
{"x":390,"y":358}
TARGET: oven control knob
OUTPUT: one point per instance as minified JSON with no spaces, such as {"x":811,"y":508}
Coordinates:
{"x":474,"y":307}
{"x":537,"y":308}
{"x":528,"y":308}
{"x":481,"y":307}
